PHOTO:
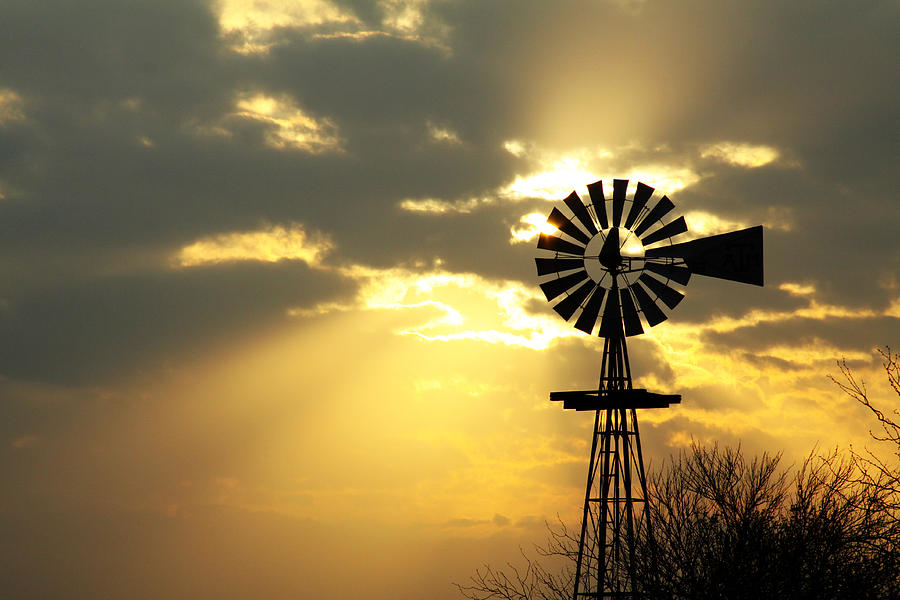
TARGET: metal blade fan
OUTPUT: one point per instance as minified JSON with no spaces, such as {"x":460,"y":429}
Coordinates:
{"x":623,"y":267}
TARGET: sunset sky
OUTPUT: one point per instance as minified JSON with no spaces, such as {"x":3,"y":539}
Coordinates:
{"x":269,"y":321}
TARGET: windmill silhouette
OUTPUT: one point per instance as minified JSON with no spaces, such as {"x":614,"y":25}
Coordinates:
{"x":622,"y":268}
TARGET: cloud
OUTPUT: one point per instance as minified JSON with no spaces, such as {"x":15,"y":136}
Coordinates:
{"x":257,"y":278}
{"x":531,"y":225}
{"x":551,"y":175}
{"x":10,"y":107}
{"x":702,"y":224}
{"x":469,"y":307}
{"x":443,"y":135}
{"x":798,"y":289}
{"x":742,"y":155}
{"x":290,"y":126}
{"x":437,"y":206}
{"x":251,"y":23}
{"x":271,"y":244}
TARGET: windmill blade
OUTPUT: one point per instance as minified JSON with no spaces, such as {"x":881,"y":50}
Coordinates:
{"x":555,"y":287}
{"x":611,"y":323}
{"x":641,"y":195}
{"x":657,"y":212}
{"x":580,"y":211}
{"x":630,"y":314}
{"x":588,"y":315}
{"x":559,"y":220}
{"x":735,"y":256}
{"x":652,"y":312}
{"x":550,"y":242}
{"x":619,"y":188}
{"x":545,"y":266}
{"x":666,"y":231}
{"x":671,"y":297}
{"x":570,"y":303}
{"x":676,"y":273}
{"x":599,"y":201}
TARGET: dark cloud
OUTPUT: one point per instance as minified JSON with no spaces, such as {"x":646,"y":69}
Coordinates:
{"x":102,"y":328}
{"x":856,"y":334}
{"x":85,"y":197}
{"x":74,"y":55}
{"x":124,"y":147}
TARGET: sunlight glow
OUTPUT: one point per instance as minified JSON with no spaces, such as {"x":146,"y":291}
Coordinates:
{"x":633,"y":248}
{"x":551,"y":175}
{"x":554,"y":182}
{"x":469,"y":307}
{"x":665,"y":178}
{"x":536,"y":223}
{"x":271,"y":244}
{"x":741,"y":155}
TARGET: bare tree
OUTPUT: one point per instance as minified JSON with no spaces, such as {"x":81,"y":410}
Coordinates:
{"x":727,"y":526}
{"x":881,"y":473}
{"x":710,"y":509}
{"x":533,"y":579}
{"x":730,"y":527}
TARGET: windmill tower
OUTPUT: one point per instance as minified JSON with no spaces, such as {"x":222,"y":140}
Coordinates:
{"x":621,"y":267}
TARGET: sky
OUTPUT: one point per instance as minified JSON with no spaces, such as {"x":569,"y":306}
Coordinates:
{"x":269,"y":320}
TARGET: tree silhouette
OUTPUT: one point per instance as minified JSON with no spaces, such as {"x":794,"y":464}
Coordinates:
{"x":725,"y":526}
{"x":880,"y":473}
{"x":728,"y":526}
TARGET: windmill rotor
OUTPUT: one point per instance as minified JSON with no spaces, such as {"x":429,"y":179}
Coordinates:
{"x":616,"y":265}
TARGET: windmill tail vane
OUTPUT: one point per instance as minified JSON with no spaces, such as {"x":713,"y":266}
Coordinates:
{"x":615,"y":266}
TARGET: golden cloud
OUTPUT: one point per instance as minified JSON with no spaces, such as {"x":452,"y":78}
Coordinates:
{"x":798,"y":289}
{"x":741,"y":155}
{"x":534,"y":224}
{"x":254,"y":20}
{"x":702,"y":224}
{"x":290,"y":127}
{"x":439,"y":207}
{"x":10,"y":106}
{"x":549,"y":176}
{"x":465,"y":306}
{"x":250,"y":24}
{"x":270,"y":244}
{"x":443,"y":134}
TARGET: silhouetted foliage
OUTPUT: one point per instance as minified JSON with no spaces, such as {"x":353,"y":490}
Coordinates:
{"x":725,"y":526}
{"x":728,"y":527}
{"x":533,"y":580}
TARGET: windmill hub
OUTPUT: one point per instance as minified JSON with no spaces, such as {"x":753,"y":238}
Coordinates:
{"x":610,"y":253}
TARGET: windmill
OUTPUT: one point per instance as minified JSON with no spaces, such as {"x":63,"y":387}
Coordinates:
{"x":614,"y":267}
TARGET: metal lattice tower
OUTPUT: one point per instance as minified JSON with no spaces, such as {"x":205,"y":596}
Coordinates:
{"x":625,"y":267}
